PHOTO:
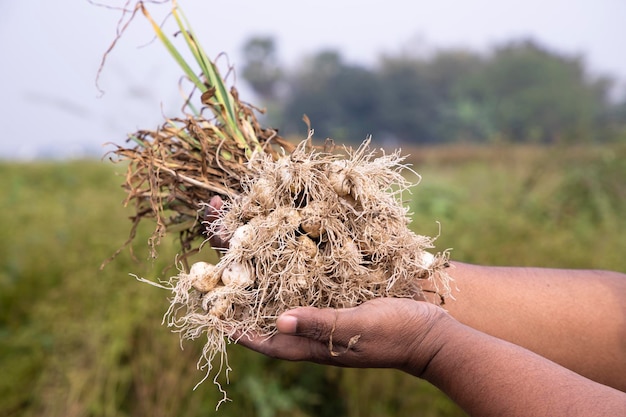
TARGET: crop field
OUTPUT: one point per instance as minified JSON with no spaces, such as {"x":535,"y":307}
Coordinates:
{"x":76,"y":340}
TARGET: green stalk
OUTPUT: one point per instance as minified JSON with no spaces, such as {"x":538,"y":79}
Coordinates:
{"x":174,"y":52}
{"x":208,"y":68}
{"x":223,"y":103}
{"x":225,"y":100}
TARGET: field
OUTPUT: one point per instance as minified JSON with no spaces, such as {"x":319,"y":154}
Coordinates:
{"x":78,"y":341}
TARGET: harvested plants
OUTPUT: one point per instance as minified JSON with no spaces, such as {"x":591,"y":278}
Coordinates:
{"x":309,"y":229}
{"x":306,"y":225}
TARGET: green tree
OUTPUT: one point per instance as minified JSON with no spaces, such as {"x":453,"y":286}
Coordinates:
{"x":341,"y":100}
{"x":614,"y":119}
{"x":421,"y":97}
{"x":521,"y":91}
{"x":527,"y":93}
{"x":261,"y":69}
{"x":409,"y":112}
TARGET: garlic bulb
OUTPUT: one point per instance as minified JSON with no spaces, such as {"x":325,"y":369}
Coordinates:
{"x":238,"y":275}
{"x":203,"y":277}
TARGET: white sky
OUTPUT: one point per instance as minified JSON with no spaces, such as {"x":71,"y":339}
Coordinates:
{"x":50,"y":52}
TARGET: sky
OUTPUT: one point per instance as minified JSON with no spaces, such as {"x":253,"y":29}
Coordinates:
{"x":51,"y":51}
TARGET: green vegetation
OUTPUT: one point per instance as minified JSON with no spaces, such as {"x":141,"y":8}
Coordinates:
{"x":521,"y":91}
{"x":78,"y":341}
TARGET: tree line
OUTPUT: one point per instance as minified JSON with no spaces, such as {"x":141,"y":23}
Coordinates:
{"x":518,"y":92}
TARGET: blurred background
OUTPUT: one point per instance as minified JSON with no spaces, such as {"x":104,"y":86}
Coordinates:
{"x":425,"y":72}
{"x":514,"y":113}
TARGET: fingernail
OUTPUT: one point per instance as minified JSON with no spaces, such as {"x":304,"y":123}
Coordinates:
{"x":287,"y":324}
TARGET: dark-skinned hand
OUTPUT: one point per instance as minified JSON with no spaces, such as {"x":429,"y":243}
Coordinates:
{"x":381,"y":333}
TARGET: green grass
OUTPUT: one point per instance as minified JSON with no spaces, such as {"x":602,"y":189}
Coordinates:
{"x":77,"y":341}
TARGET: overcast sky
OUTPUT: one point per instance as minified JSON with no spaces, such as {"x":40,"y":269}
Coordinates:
{"x":50,"y":52}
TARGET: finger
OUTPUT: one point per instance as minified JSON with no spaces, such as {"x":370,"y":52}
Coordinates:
{"x":211,"y":214}
{"x":287,"y":323}
{"x":287,"y":347}
{"x":330,"y":328}
{"x":305,"y":334}
{"x":312,"y":323}
{"x":212,"y":209}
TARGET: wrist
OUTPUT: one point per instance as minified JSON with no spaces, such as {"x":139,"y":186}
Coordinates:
{"x":426,"y":347}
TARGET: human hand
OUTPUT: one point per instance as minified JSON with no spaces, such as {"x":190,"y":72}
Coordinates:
{"x":216,"y":237}
{"x":381,"y":333}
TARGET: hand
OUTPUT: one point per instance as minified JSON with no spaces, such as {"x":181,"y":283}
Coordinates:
{"x":381,"y":333}
{"x":216,"y":238}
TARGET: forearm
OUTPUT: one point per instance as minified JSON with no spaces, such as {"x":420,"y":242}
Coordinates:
{"x":483,"y":374}
{"x":487,"y":376}
{"x":575,"y":318}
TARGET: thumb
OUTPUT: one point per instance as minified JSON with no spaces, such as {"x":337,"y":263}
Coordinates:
{"x":287,"y":323}
{"x":309,"y":322}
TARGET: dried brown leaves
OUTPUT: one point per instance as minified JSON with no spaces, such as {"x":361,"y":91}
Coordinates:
{"x":174,"y":170}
